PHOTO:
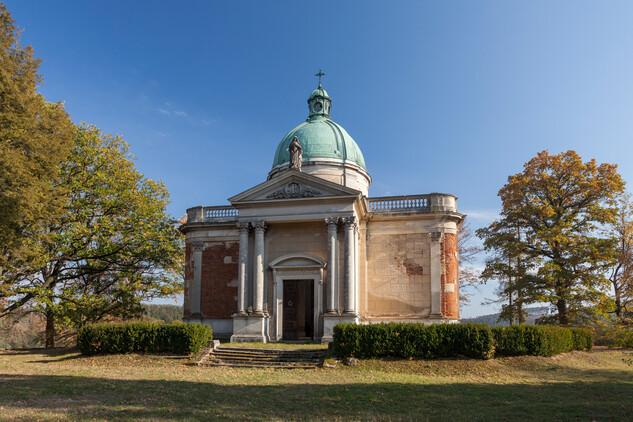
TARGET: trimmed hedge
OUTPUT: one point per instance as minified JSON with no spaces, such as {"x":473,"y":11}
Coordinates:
{"x":408,"y":340}
{"x":540,"y":340}
{"x":518,"y":340}
{"x":583,"y":339}
{"x":134,"y":337}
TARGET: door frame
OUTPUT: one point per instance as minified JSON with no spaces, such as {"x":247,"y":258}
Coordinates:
{"x":297,"y":267}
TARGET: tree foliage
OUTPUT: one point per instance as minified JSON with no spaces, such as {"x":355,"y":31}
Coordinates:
{"x":165,"y":313}
{"x":620,"y":273}
{"x":558,"y":204}
{"x":35,"y":137}
{"x":113,"y":246}
{"x":509,"y":266}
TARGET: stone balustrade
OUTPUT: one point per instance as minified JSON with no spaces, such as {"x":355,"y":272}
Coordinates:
{"x":433,"y":202}
{"x":206,"y":214}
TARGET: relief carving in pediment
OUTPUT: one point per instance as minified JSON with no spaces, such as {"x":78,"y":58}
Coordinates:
{"x":294,"y":189}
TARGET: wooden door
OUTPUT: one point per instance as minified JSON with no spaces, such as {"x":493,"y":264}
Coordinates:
{"x":290,"y":315}
{"x":307,"y":297}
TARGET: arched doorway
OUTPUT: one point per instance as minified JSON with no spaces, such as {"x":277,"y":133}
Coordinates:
{"x":298,"y":297}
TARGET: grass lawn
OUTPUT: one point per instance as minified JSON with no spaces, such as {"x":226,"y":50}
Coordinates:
{"x":63,"y":385}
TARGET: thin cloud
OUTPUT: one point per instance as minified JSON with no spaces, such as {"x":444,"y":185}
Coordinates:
{"x":167,"y":112}
{"x":482,"y":215}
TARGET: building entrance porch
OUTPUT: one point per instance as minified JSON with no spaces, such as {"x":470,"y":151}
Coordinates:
{"x":298,"y":298}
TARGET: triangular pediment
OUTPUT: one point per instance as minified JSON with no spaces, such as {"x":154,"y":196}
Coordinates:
{"x":293,"y":185}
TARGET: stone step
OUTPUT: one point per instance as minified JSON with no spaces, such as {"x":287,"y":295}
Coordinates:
{"x":263,"y":358}
{"x":247,"y":365}
{"x":238,"y":360}
{"x":288,"y":353}
{"x":271,"y":351}
{"x":260,"y":363}
{"x":267,"y":358}
{"x":270,"y":356}
{"x":242,"y":359}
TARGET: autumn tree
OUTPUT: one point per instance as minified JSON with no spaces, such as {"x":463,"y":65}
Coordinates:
{"x":620,"y":273}
{"x":35,"y":136}
{"x":511,"y":269}
{"x":113,"y":246}
{"x":559,"y":204}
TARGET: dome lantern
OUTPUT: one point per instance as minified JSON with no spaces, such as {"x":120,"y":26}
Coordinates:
{"x":328,"y":150}
{"x":319,"y":103}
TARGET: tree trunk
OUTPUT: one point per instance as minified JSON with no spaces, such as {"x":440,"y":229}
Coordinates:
{"x":511,"y":308}
{"x":562,"y":312}
{"x":50,"y":330}
{"x":618,"y":304}
{"x":520,"y":312}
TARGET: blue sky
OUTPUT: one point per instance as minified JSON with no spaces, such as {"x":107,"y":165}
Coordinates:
{"x":440,"y":96}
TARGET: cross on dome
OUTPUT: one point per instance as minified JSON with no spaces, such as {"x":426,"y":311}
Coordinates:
{"x":319,"y":75}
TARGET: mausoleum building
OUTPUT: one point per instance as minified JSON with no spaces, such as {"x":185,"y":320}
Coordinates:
{"x":308,"y":248}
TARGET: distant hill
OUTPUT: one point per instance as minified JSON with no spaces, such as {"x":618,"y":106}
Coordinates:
{"x":167,"y":313}
{"x":492,"y":319}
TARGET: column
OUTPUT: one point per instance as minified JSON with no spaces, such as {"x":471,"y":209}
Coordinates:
{"x":258,"y":291}
{"x":195,"y":291}
{"x":332,"y":291}
{"x":348,"y":270}
{"x":242,"y":286}
{"x":436,"y":274}
{"x":356,"y":278}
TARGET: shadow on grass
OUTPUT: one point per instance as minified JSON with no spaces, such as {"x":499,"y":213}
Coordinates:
{"x":62,"y":354}
{"x":72,"y":356}
{"x":83,"y":398}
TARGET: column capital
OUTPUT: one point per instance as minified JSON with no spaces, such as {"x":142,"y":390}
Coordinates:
{"x":349,"y":221}
{"x":331,"y":222}
{"x":197,"y":246}
{"x":435,"y":236}
{"x":259,"y":225}
{"x":243,"y":225}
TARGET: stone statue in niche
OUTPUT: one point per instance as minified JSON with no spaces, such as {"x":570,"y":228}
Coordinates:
{"x":296,"y":154}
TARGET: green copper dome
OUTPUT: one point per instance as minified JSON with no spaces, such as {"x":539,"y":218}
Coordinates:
{"x":320,"y":137}
{"x":319,"y":92}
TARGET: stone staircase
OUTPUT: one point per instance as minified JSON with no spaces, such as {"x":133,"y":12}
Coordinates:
{"x":262,"y":358}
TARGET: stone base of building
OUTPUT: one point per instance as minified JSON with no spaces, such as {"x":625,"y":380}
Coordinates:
{"x":330,"y":320}
{"x":222,"y":328}
{"x":193,"y":319}
{"x":250,"y":328}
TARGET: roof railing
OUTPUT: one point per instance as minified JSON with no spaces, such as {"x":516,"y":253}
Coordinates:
{"x":390,"y":204}
{"x":216,"y":213}
{"x":433,"y":202}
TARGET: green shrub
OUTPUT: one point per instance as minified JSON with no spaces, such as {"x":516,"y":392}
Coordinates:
{"x":152,"y":337}
{"x":539,"y":340}
{"x":407,"y":340}
{"x":582,"y":338}
{"x":615,"y":334}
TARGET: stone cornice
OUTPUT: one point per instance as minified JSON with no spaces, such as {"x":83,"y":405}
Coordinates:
{"x":443,"y":215}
